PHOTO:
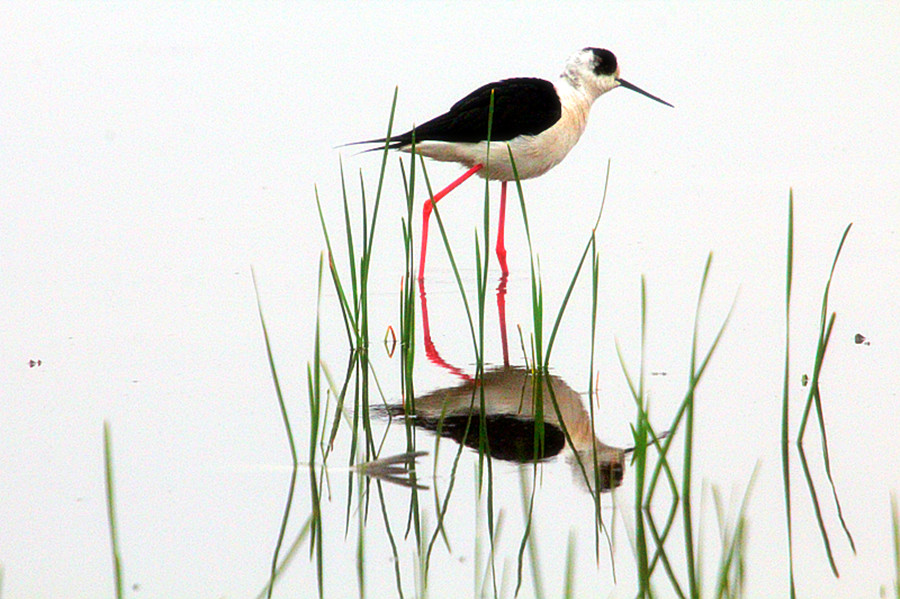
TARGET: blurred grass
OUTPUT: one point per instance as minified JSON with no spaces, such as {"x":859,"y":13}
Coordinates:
{"x":111,"y":509}
{"x":895,"y":529}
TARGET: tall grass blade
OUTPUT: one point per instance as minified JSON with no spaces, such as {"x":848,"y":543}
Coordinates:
{"x":818,"y":510}
{"x":287,"y":427}
{"x":641,"y":434}
{"x":111,"y":509}
{"x":407,"y":354}
{"x":528,"y":539}
{"x":347,"y":311}
{"x":785,"y":401}
{"x":286,"y":558}
{"x":595,"y":285}
{"x":584,"y":254}
{"x":895,"y":529}
{"x":537,"y":300}
{"x":390,"y":534}
{"x":315,"y":539}
{"x":315,"y":399}
{"x":686,"y":510}
{"x":348,"y":232}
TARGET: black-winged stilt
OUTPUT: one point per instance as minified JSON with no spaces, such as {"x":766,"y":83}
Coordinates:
{"x":540,"y":121}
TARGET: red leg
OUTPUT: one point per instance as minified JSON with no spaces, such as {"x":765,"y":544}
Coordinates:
{"x":501,"y":247}
{"x":501,"y":312}
{"x":429,"y":206}
{"x":431,"y":351}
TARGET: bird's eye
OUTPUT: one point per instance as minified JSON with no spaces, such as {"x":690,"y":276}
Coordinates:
{"x":604,"y":62}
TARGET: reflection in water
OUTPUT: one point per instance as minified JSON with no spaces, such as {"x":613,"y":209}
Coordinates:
{"x":509,"y":423}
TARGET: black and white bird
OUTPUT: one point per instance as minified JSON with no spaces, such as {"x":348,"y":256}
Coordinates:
{"x":538,"y":120}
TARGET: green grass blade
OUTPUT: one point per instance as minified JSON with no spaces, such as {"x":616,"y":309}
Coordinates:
{"x":528,"y":539}
{"x":348,"y":231}
{"x":595,"y":286}
{"x":390,"y":534}
{"x":287,"y":426}
{"x":569,"y":588}
{"x":785,"y":400}
{"x":370,"y":232}
{"x":584,"y":254}
{"x":814,"y":498}
{"x":346,"y":311}
{"x":895,"y":529}
{"x":315,"y":539}
{"x":686,"y":510}
{"x":286,"y":558}
{"x":111,"y":509}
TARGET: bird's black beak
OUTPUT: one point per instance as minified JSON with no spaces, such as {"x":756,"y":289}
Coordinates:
{"x":635,"y":88}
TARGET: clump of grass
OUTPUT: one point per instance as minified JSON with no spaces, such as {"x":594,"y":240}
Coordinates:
{"x":651,"y":555}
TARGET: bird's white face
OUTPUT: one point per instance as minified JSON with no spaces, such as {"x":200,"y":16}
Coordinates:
{"x":593,"y":71}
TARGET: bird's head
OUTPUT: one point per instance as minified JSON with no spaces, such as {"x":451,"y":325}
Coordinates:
{"x":595,"y":71}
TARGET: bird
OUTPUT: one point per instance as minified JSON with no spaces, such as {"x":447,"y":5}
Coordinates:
{"x":539,"y":121}
{"x":511,"y":397}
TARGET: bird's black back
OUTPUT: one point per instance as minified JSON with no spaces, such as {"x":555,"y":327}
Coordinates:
{"x":522,"y":106}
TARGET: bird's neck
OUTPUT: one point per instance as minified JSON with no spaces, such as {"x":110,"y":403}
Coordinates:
{"x":576,"y":101}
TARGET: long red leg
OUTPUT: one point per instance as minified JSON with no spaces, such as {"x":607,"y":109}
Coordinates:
{"x":501,"y":248}
{"x":429,"y":206}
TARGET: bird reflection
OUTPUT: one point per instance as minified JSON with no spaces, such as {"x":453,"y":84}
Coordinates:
{"x":509,"y":423}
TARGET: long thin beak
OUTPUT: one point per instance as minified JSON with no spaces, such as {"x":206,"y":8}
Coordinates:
{"x":635,"y":88}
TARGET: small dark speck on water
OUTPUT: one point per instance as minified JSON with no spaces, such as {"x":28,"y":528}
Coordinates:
{"x":33,"y":363}
{"x":860,"y":339}
{"x":804,"y":380}
{"x":659,"y":373}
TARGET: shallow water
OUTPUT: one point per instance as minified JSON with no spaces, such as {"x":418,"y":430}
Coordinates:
{"x":153,"y":154}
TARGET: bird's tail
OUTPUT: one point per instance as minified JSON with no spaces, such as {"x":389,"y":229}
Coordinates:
{"x":392,"y":144}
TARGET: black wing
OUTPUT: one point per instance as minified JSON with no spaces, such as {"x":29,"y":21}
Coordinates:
{"x":522,"y":106}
